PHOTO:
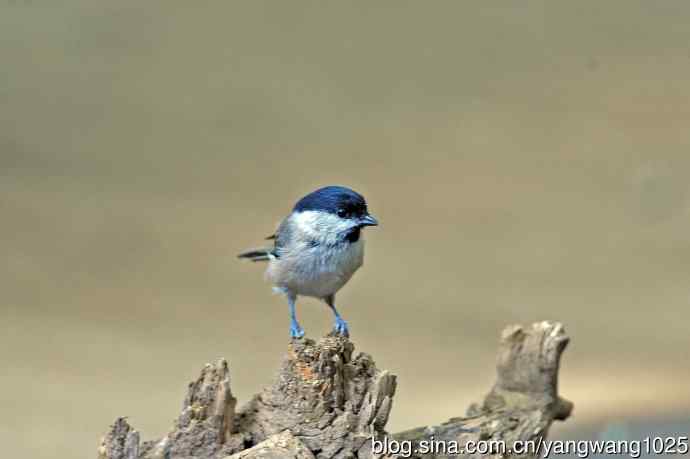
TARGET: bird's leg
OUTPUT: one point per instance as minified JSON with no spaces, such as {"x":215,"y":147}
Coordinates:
{"x":340,"y":326}
{"x":295,"y":330}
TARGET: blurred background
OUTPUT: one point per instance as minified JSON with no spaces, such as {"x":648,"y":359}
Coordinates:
{"x":527,"y":161}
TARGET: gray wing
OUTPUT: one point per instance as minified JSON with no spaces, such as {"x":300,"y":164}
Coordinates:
{"x":281,"y":238}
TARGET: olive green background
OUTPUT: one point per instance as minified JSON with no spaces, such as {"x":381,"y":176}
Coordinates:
{"x":527,"y":161}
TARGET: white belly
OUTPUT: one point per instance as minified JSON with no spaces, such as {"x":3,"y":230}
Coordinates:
{"x":317,"y":272}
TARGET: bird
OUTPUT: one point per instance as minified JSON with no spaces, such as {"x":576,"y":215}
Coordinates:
{"x":316,"y":250}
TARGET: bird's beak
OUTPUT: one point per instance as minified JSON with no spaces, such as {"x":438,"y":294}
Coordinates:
{"x":368,"y":220}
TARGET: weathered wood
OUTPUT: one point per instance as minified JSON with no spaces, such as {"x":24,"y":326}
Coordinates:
{"x":521,"y":405}
{"x":121,"y":442}
{"x":206,"y":422}
{"x":326,"y":403}
{"x":279,"y":446}
{"x":325,"y":397}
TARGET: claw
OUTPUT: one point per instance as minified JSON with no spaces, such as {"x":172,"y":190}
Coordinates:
{"x":341,"y":327}
{"x":295,"y":330}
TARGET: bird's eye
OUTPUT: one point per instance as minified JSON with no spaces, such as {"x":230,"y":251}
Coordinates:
{"x":342,"y":213}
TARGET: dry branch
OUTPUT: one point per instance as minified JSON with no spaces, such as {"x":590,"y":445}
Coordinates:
{"x":326,"y":403}
{"x":524,"y":400}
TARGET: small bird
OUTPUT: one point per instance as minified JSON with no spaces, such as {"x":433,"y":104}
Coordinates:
{"x":317,"y":249}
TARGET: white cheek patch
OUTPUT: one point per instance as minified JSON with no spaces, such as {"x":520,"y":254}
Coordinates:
{"x":321,"y":226}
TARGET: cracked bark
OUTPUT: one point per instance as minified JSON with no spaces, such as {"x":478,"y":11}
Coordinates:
{"x":327,"y":403}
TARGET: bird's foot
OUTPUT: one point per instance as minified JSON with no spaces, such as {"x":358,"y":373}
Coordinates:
{"x":295,"y":330}
{"x":340,"y":327}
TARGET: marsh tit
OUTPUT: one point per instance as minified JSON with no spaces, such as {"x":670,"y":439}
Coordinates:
{"x":317,"y":249}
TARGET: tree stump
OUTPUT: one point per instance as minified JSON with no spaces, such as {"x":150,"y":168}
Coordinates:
{"x":326,"y":403}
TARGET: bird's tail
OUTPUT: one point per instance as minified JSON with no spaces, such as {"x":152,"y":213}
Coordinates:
{"x":257,"y":254}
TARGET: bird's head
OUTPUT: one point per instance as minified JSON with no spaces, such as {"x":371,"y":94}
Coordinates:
{"x":333,"y":211}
